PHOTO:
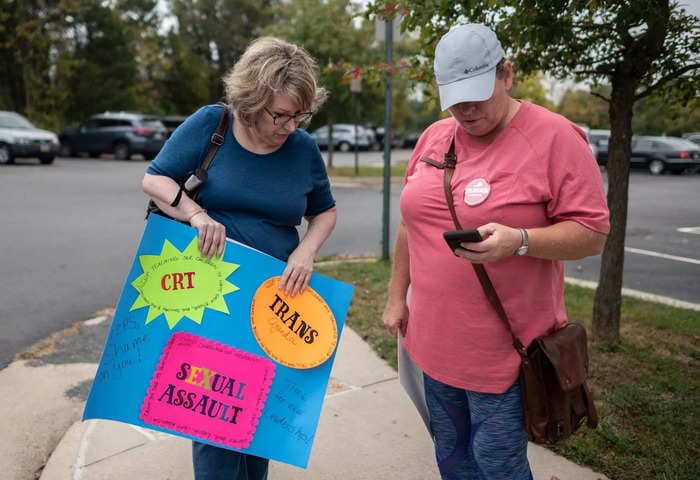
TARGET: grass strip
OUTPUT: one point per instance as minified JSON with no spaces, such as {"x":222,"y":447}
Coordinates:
{"x":397,"y":170}
{"x":646,"y":387}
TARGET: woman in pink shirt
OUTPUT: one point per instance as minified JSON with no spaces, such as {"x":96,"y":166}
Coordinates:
{"x":527,"y":180}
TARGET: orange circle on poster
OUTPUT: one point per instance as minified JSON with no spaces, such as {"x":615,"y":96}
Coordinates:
{"x":299,"y":331}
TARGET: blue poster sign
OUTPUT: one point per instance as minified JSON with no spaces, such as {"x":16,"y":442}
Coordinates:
{"x":212,"y":350}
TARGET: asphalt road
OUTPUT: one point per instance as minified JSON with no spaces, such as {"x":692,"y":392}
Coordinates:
{"x":662,"y":246}
{"x":70,"y":229}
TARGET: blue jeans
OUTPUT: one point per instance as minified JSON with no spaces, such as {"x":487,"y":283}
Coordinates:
{"x":214,"y":463}
{"x":478,"y":436}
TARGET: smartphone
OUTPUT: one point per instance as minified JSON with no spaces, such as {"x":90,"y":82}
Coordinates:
{"x":455,"y":237}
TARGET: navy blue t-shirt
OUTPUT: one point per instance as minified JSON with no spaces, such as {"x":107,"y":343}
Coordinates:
{"x":260,"y":199}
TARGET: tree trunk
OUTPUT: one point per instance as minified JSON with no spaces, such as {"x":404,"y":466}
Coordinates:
{"x":639,"y":53}
{"x":608,"y":297}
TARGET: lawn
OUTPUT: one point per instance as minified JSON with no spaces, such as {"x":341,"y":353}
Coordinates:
{"x":646,"y":387}
{"x":397,"y":171}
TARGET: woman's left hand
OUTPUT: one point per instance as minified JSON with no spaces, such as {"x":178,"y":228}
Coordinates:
{"x":499,"y":242}
{"x":212,"y":234}
{"x":297,"y":274}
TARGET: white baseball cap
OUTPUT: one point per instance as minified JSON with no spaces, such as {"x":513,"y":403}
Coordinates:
{"x":465,"y":64}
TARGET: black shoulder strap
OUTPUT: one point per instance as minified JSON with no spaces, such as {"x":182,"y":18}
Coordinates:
{"x":216,"y":140}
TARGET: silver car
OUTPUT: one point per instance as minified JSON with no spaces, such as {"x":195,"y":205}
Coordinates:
{"x":344,"y":137}
{"x":19,"y":138}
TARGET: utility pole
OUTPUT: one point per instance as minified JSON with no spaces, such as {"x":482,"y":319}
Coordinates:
{"x":386,"y":204}
{"x":355,"y":89}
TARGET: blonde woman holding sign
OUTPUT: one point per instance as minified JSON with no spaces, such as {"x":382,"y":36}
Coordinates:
{"x":265,"y":177}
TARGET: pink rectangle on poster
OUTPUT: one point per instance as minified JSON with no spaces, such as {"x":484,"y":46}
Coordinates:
{"x":208,"y":390}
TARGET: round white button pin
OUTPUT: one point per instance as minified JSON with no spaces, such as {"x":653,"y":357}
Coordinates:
{"x":476,"y":192}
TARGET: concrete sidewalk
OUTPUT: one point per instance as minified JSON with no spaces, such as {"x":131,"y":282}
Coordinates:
{"x":368,"y":429}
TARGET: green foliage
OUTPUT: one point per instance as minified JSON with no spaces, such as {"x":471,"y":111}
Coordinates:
{"x":143,"y":19}
{"x":422,"y":113}
{"x":398,"y":171}
{"x":63,"y":60}
{"x":24,"y":58}
{"x":584,"y":40}
{"x":218,"y":32}
{"x":655,"y":116}
{"x":529,"y":87}
{"x":98,"y":65}
{"x":581,"y":107}
{"x":185,"y":83}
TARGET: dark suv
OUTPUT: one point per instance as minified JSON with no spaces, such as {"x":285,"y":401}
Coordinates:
{"x":120,"y":133}
{"x":171,"y":122}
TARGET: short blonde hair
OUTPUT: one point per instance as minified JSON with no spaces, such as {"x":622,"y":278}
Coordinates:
{"x":268,"y":66}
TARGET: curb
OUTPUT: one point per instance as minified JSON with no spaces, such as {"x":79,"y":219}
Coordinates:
{"x":629,"y":292}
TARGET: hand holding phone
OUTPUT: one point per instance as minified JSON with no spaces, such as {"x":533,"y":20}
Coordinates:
{"x":454,"y":238}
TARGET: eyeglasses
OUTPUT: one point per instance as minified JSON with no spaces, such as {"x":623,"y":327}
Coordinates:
{"x":283,"y":118}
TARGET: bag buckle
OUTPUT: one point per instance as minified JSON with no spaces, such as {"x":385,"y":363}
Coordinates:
{"x":195,"y":180}
{"x":217,"y":139}
{"x":450,"y":160}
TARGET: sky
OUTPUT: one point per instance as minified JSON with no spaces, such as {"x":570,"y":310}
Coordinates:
{"x":692,"y":6}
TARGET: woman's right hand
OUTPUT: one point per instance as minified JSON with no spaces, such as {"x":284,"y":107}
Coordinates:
{"x":395,"y":317}
{"x":212,"y":234}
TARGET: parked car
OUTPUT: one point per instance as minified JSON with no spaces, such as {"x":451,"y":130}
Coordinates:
{"x":19,"y":138}
{"x":396,"y":138}
{"x":692,"y":136}
{"x":171,"y":122}
{"x":662,"y":154}
{"x":410,"y":139}
{"x":120,"y":133}
{"x":586,"y":129}
{"x":598,"y":139}
{"x":344,"y":137}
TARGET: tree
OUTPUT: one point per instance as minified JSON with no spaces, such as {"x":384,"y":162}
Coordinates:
{"x":218,"y":32}
{"x":655,"y":116}
{"x":581,"y":106}
{"x":424,"y":112}
{"x":529,"y":87}
{"x":142,"y":19}
{"x":24,"y":58}
{"x":637,"y":47}
{"x":185,"y":78}
{"x":97,"y":66}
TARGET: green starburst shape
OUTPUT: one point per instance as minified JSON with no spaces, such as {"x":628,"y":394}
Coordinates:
{"x":182,"y":284}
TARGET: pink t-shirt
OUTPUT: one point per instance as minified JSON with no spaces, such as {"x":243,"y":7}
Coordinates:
{"x":537,"y":172}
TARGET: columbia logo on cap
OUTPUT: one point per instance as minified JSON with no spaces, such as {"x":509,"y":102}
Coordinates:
{"x":474,"y":69}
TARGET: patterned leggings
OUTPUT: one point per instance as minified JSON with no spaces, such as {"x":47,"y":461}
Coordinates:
{"x":478,"y":436}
